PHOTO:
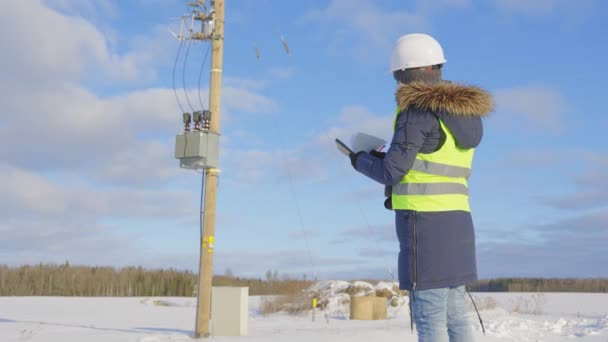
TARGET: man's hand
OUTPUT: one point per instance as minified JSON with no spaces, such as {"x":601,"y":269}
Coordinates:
{"x":353,"y":158}
{"x":377,"y":154}
{"x":388,"y":203}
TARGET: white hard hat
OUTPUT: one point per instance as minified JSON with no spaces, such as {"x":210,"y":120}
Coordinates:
{"x":416,"y":50}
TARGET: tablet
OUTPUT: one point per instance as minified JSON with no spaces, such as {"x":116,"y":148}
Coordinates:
{"x":343,"y":148}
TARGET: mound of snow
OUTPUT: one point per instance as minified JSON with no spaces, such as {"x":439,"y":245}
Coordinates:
{"x":335,"y":295}
{"x":165,"y":302}
{"x":361,"y":288}
{"x":329,"y":287}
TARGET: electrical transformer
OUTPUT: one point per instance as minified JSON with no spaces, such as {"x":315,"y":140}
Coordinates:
{"x":197,"y":149}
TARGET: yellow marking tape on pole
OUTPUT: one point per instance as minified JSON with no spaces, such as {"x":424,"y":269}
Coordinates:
{"x":314,"y":302}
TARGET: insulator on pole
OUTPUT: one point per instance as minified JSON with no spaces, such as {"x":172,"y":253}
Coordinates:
{"x":187,"y":120}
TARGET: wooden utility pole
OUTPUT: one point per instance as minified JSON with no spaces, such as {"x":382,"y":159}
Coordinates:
{"x":211,"y":178}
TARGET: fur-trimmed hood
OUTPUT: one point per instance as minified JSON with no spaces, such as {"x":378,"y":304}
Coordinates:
{"x":459,"y":107}
{"x":445,"y":97}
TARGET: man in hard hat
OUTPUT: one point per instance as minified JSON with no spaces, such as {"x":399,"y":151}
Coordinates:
{"x":437,"y":127}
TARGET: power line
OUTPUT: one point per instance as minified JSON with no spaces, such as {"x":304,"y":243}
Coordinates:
{"x":184,"y":74}
{"x":179,"y":50}
{"x":200,"y":74}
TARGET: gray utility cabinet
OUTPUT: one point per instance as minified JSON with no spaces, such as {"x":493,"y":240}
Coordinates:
{"x":197,"y":149}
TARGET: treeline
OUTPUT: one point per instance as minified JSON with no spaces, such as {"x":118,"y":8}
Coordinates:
{"x":67,"y":280}
{"x":272,"y":284}
{"x":540,"y":285}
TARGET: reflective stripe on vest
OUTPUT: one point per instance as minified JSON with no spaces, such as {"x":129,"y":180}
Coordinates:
{"x":430,"y":189}
{"x":441,"y":169}
{"x":436,"y":181}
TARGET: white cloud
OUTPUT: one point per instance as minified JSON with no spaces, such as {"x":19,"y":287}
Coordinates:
{"x":570,"y":247}
{"x":365,"y":30}
{"x":239,"y":99}
{"x":75,"y":128}
{"x":535,"y":105}
{"x":32,"y":242}
{"x":47,"y":52}
{"x":67,"y":125}
{"x":30,"y":195}
{"x":565,"y":8}
{"x":591,"y":184}
{"x":50,"y":220}
{"x":73,"y":49}
{"x":587,"y":177}
{"x":64,"y":127}
{"x":293,"y":262}
{"x":282,"y":73}
{"x":255,"y":165}
{"x":362,"y":28}
{"x":309,"y":161}
{"x":353,"y":119}
{"x":72,"y":158}
{"x":303,"y":234}
{"x":145,"y":53}
{"x":28,"y":192}
{"x":377,"y":252}
{"x":430,"y":5}
{"x":582,"y":200}
{"x":536,"y":7}
{"x":238,"y":82}
{"x":143,"y":163}
{"x":83,"y":243}
{"x":84,"y":7}
{"x":377,"y":232}
{"x":161,"y":3}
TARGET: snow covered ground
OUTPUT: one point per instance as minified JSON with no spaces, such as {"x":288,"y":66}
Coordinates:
{"x":563,"y":317}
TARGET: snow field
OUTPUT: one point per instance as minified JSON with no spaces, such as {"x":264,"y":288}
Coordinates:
{"x":564,"y":317}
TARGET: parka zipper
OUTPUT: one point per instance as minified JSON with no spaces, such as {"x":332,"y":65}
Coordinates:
{"x":415,"y":233}
{"x":415,"y":273}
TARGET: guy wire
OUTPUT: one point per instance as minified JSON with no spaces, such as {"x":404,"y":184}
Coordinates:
{"x":299,"y":213}
{"x":295,"y":199}
{"x":372,"y":229}
{"x":201,"y":213}
{"x":201,"y":224}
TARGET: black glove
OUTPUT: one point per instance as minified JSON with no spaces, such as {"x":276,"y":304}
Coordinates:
{"x":377,"y":154}
{"x":388,"y":203}
{"x":353,"y":158}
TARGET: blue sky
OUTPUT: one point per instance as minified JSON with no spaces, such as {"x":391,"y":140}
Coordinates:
{"x":86,"y":134}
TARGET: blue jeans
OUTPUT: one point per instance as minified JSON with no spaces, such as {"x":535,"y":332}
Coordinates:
{"x":440,"y":313}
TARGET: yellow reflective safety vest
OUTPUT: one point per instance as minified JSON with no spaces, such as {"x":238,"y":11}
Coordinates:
{"x":437,"y":181}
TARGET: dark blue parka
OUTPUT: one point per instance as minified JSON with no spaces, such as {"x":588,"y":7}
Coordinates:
{"x":437,"y":249}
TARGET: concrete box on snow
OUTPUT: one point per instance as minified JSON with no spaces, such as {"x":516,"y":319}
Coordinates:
{"x":229,"y":311}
